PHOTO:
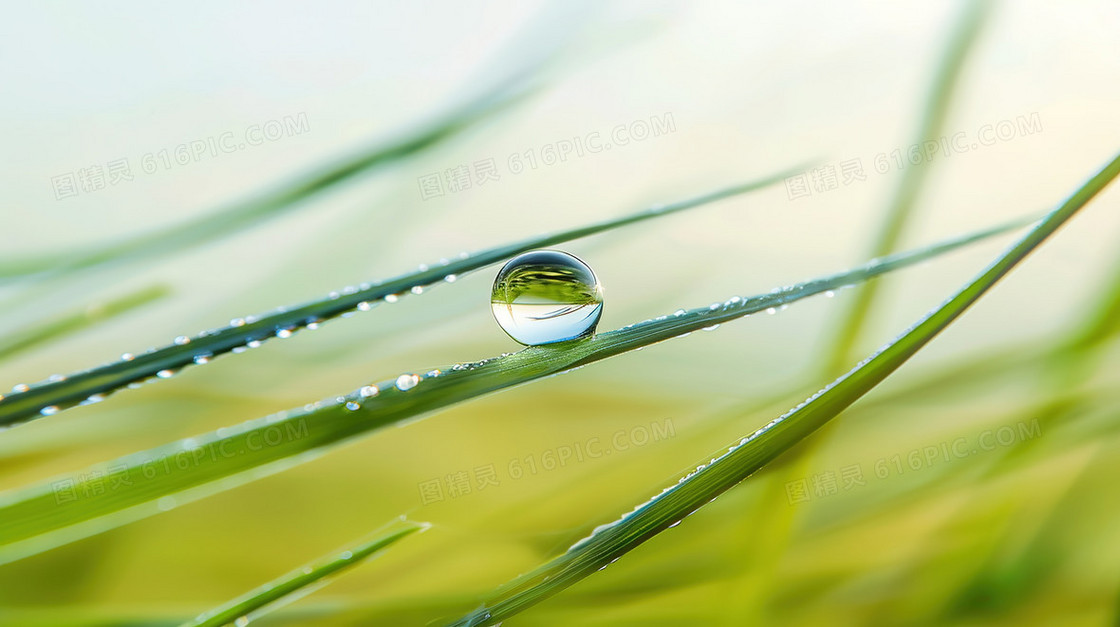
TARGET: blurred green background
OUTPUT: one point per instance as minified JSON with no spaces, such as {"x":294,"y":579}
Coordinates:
{"x":986,"y":467}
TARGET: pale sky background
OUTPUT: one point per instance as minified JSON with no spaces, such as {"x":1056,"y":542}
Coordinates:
{"x":752,"y":89}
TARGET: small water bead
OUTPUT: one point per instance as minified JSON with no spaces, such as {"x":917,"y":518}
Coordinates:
{"x":830,"y":294}
{"x":237,"y":322}
{"x":362,"y":306}
{"x":56,"y":378}
{"x":369,"y":391}
{"x":451,"y":278}
{"x":406,"y":382}
{"x":417,"y":289}
{"x":253,"y":344}
{"x":202,"y":359}
{"x":182,"y":339}
{"x":353,"y":406}
{"x":20,"y":387}
{"x":391,"y":298}
{"x":127,"y":357}
{"x":284,"y":333}
{"x":546,"y":296}
{"x":165,"y":374}
{"x":49,"y":410}
{"x":771,"y":311}
{"x":680,"y":312}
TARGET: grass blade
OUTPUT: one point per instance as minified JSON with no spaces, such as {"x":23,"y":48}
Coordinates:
{"x":78,"y":320}
{"x":906,"y":195}
{"x":299,"y":583}
{"x":53,"y":396}
{"x":53,"y":513}
{"x":269,"y":205}
{"x":710,"y":479}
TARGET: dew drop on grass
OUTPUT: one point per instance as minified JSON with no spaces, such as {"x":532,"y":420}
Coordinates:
{"x":406,"y":382}
{"x":20,"y":387}
{"x":391,"y":298}
{"x":353,"y":406}
{"x":369,"y":391}
{"x":417,"y":289}
{"x":182,"y":339}
{"x":165,"y":374}
{"x":49,"y":410}
{"x":242,"y":621}
{"x":546,"y":296}
{"x":127,"y":357}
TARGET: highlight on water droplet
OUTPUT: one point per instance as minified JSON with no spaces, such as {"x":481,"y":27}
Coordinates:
{"x":353,"y":406}
{"x":391,"y":298}
{"x":182,"y":339}
{"x":369,"y":391}
{"x":546,"y":296}
{"x":165,"y":374}
{"x":406,"y":382}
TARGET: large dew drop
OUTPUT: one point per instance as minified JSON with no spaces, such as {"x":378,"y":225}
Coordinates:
{"x":546,"y":296}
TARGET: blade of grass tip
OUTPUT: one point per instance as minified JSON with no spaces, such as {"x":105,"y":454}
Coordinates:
{"x":51,"y":396}
{"x":852,"y":324}
{"x":711,"y":478}
{"x":299,"y":583}
{"x":41,"y":332}
{"x":271,"y":204}
{"x":946,"y":81}
{"x":52,"y":513}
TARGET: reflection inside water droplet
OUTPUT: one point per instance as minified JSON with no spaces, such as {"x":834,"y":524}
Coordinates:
{"x":546,"y":296}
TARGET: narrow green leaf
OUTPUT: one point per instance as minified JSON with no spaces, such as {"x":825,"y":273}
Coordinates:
{"x":53,"y":396}
{"x":710,"y":479}
{"x":909,"y":187}
{"x":72,"y":322}
{"x":243,"y":215}
{"x":299,"y":583}
{"x":53,"y":513}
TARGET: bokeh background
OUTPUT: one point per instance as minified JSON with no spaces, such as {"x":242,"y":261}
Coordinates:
{"x":1022,"y":532}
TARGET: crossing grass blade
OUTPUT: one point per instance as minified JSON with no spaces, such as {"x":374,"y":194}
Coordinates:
{"x":283,"y":199}
{"x":710,"y":479}
{"x":186,"y":351}
{"x":901,"y":208}
{"x":299,"y":583}
{"x":72,"y":322}
{"x":50,"y":514}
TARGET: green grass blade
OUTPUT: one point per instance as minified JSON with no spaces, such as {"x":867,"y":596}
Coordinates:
{"x":110,"y":377}
{"x":53,"y":513}
{"x":266,"y":206}
{"x":906,"y":194}
{"x":46,"y":331}
{"x":303,"y":581}
{"x":710,"y":479}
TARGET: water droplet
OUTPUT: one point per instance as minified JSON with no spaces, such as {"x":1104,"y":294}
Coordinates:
{"x":237,"y":322}
{"x":284,"y":333}
{"x":771,"y":311}
{"x":242,"y":621}
{"x":829,"y":294}
{"x":55,"y":378}
{"x":417,"y":289}
{"x":334,"y":296}
{"x":451,"y":278}
{"x":362,"y":306}
{"x":253,"y":344}
{"x":713,"y":307}
{"x":406,"y":382}
{"x":546,"y":296}
{"x":202,"y":359}
{"x":711,"y":328}
{"x":165,"y":374}
{"x":352,"y":406}
{"x":680,"y":312}
{"x":391,"y":298}
{"x":433,"y":373}
{"x":182,"y":339}
{"x":127,"y":357}
{"x":95,"y":398}
{"x":49,"y":410}
{"x":422,"y":267}
{"x":346,"y":555}
{"x":369,"y":391}
{"x":311,"y":326}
